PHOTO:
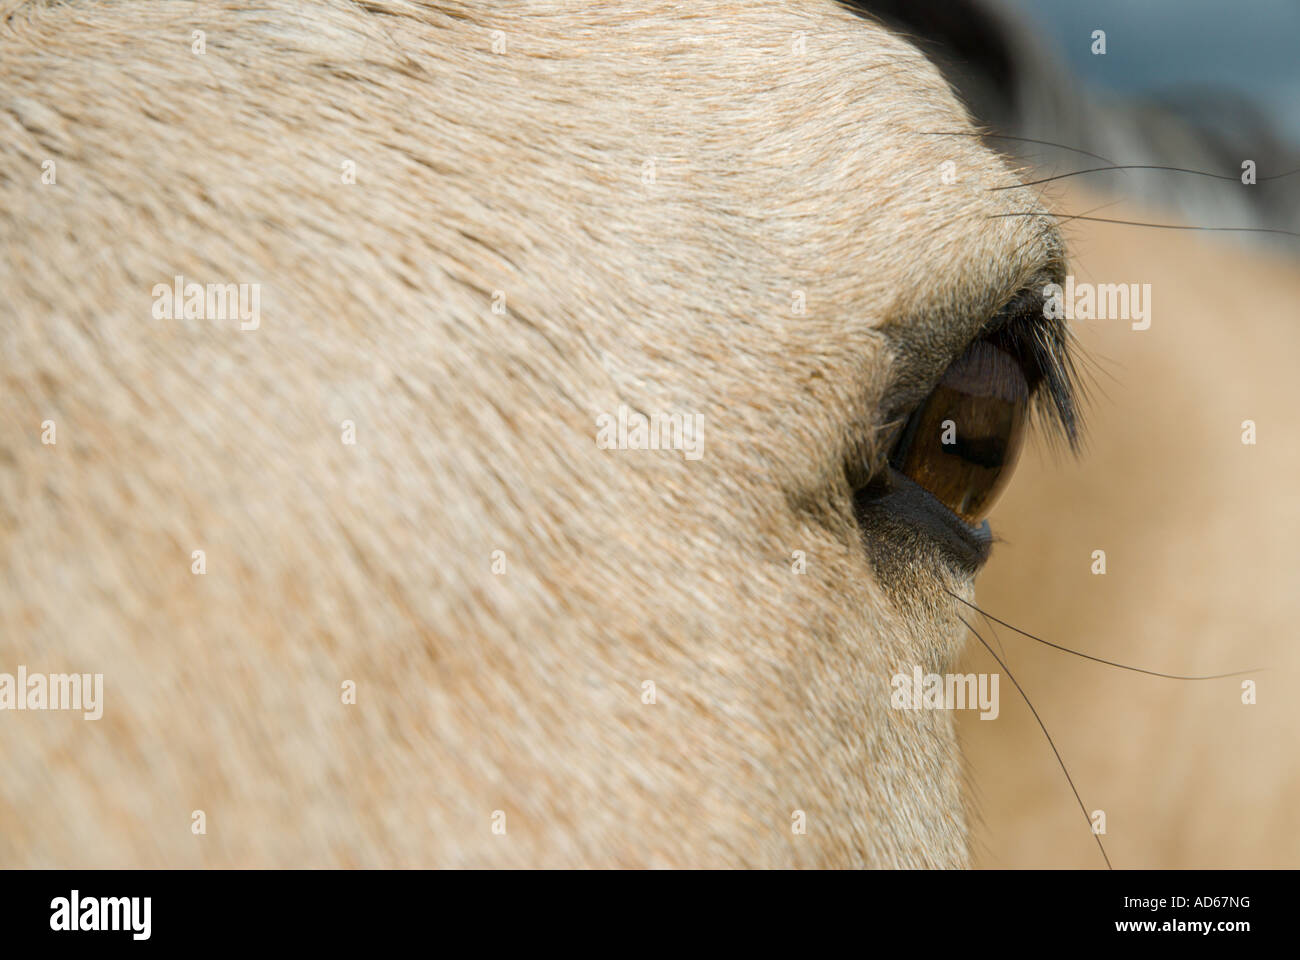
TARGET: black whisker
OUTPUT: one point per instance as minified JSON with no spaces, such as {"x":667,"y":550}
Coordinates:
{"x":1139,"y":166}
{"x":994,"y":630}
{"x":1062,"y":220}
{"x":1138,"y":223}
{"x":1042,"y":726}
{"x":998,"y":136}
{"x":1085,"y":656}
{"x":1124,"y":166}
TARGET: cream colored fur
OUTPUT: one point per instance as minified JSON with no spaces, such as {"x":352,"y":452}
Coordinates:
{"x":523,"y":172}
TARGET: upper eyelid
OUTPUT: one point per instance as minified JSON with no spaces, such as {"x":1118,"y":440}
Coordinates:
{"x":1043,"y":346}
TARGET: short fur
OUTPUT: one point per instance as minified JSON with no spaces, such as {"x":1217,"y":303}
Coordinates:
{"x":775,"y":169}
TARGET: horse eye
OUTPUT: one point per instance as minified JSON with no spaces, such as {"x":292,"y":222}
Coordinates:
{"x":962,"y":442}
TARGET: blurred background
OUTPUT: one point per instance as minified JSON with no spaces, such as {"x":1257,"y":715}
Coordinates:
{"x":1201,"y":532}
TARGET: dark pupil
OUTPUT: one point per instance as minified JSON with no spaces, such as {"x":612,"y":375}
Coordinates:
{"x":962,"y":442}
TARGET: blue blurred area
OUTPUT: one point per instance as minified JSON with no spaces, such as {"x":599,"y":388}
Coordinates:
{"x":1205,"y":58}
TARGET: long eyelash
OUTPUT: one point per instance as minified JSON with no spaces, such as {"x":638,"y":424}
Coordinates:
{"x":1046,"y":350}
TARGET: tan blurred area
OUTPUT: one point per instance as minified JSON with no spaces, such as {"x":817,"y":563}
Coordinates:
{"x":1201,"y":535}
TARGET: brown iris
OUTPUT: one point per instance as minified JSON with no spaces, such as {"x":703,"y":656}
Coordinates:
{"x":963,"y":440}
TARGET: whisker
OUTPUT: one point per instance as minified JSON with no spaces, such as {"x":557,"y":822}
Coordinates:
{"x":1138,"y":223}
{"x":1061,"y":221}
{"x":1139,"y":166}
{"x":994,"y":631}
{"x":1123,"y":166}
{"x":1042,"y":726}
{"x":999,"y":136}
{"x":1112,"y":165}
{"x":1085,"y":656}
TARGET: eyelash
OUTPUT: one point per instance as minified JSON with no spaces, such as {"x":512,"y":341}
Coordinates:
{"x":1047,"y":351}
{"x":961,"y":439}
